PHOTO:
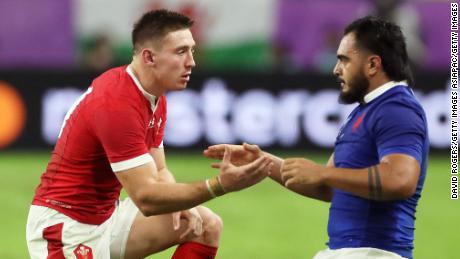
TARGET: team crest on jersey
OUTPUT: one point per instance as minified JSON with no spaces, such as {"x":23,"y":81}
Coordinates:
{"x":83,"y":252}
{"x":151,"y":123}
{"x":159,"y":123}
{"x":358,"y":122}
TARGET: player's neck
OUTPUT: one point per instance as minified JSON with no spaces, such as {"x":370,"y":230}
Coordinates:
{"x":146,"y":79}
{"x":376,"y":82}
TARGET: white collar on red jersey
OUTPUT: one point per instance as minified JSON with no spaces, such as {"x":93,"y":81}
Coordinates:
{"x":152,"y":98}
{"x":382,"y":89}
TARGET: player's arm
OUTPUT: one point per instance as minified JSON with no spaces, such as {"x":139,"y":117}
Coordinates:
{"x":154,"y":197}
{"x":318,"y":192}
{"x":164,"y":175}
{"x":246,"y":153}
{"x":394,"y":178}
{"x":138,"y":172}
{"x":399,"y":133}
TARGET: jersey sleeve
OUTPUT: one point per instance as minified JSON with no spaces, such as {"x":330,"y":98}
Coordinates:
{"x":400,"y":128}
{"x":161,"y":113}
{"x":120,"y":130}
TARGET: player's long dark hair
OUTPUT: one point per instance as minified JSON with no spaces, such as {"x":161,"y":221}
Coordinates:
{"x":154,"y":25}
{"x":386,"y":40}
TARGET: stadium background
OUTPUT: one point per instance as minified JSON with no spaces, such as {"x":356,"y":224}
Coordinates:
{"x":263,"y":76}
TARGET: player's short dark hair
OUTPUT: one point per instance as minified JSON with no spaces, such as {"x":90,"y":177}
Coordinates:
{"x":386,"y":40}
{"x":154,"y":25}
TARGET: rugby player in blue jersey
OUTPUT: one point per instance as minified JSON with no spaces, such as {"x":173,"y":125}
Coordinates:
{"x":375,"y":176}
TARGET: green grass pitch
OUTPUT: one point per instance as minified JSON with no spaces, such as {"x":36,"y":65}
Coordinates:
{"x":263,"y":222}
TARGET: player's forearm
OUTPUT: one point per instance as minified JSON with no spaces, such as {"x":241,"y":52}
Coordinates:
{"x":377,"y":182}
{"x":154,"y":197}
{"x":320,"y":192}
{"x":164,"y":175}
{"x":163,"y":197}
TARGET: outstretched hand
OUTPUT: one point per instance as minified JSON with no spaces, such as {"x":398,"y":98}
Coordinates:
{"x":234,"y":178}
{"x":240,"y":154}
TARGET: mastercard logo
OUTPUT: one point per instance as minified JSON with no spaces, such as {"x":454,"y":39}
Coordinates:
{"x":12,"y":114}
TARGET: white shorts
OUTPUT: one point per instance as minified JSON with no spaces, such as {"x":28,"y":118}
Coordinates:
{"x":50,"y":233}
{"x":356,"y":253}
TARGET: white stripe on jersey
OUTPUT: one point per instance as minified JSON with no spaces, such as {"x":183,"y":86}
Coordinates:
{"x":131,"y":163}
{"x":74,"y":105}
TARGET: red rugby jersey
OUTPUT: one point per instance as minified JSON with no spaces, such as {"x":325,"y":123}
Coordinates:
{"x":110,"y":128}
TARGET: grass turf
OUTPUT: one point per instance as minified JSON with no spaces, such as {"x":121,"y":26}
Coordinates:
{"x":265,"y":221}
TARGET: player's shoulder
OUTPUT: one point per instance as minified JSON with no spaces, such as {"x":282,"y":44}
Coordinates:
{"x":112,"y":75}
{"x":115,"y":85}
{"x":400,"y":109}
{"x":398,"y":104}
{"x":401,"y":97}
{"x":117,"y":89}
{"x":162,"y":100}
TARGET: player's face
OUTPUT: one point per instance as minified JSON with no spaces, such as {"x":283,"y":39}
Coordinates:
{"x":174,"y":60}
{"x":350,"y":71}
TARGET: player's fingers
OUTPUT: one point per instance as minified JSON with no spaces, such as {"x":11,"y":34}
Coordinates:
{"x":287,"y":167}
{"x":215,"y":152}
{"x":217,"y":149}
{"x":265,"y":165}
{"x":198,"y":227}
{"x":286,"y":175}
{"x":227,"y":155}
{"x":259,"y":173}
{"x":270,"y":167}
{"x":288,"y":164}
{"x":263,"y":171}
{"x":254,"y":164}
{"x":186,"y":233}
{"x":195,"y":224}
{"x":282,"y":166}
{"x":263,"y":168}
{"x":250,"y":147}
{"x":190,"y":227}
{"x":289,"y":182}
{"x":176,"y":220}
{"x":216,"y":165}
{"x":289,"y":161}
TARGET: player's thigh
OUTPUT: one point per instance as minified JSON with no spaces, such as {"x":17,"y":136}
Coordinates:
{"x":50,"y":233}
{"x":149,"y":235}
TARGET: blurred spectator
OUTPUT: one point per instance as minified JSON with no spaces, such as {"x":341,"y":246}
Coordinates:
{"x":407,"y":17}
{"x":98,"y":53}
{"x":306,"y":33}
{"x":325,"y":59}
{"x":283,"y":61}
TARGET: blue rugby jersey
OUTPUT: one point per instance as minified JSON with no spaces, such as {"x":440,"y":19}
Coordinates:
{"x":390,"y":121}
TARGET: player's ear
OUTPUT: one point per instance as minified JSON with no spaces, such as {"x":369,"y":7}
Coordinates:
{"x":374,"y":64}
{"x":148,"y":56}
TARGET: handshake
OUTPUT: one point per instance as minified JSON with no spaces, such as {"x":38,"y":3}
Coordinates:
{"x":244,"y":165}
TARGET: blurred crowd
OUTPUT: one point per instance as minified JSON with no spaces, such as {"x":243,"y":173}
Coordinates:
{"x":301,"y":38}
